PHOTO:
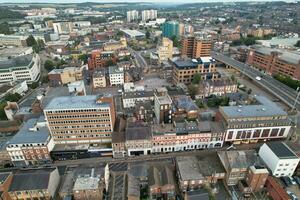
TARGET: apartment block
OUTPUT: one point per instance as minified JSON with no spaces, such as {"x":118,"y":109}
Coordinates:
{"x":81,"y":119}
{"x":185,"y":69}
{"x":275,"y":61}
{"x":279,"y":158}
{"x":99,"y":79}
{"x":195,"y":47}
{"x":149,"y":14}
{"x":99,"y":59}
{"x":132,"y":15}
{"x":116,"y":75}
{"x":262,"y":120}
{"x":63,"y":27}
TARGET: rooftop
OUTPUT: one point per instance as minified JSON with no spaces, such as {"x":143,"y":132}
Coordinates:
{"x":161,"y":175}
{"x":20,"y":61}
{"x":137,"y":131}
{"x":164,"y":99}
{"x":31,"y":132}
{"x":4,"y":176}
{"x":237,"y":159}
{"x":86,"y":183}
{"x":138,"y":94}
{"x":192,"y":63}
{"x":75,"y":102}
{"x":115,"y":70}
{"x":185,"y":103}
{"x":133,"y":33}
{"x":264,"y":109}
{"x":281,"y":150}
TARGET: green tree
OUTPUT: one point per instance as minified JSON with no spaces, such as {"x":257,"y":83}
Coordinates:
{"x":12,"y":97}
{"x":175,"y":41}
{"x":84,"y":58}
{"x":196,"y":78}
{"x":297,"y":44}
{"x":31,"y":41}
{"x":110,"y":62}
{"x":4,"y":29}
{"x":2,"y":112}
{"x":193,"y":89}
{"x":232,"y":77}
{"x":200,"y":103}
{"x":49,"y":65}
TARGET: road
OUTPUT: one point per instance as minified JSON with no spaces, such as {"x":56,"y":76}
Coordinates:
{"x":278,"y":89}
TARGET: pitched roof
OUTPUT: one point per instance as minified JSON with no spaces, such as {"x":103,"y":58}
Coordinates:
{"x":281,"y":150}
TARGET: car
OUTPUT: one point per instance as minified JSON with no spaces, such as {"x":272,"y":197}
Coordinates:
{"x":285,"y":180}
{"x":292,"y":181}
{"x":258,"y":78}
{"x":297,"y":179}
{"x":292,"y":195}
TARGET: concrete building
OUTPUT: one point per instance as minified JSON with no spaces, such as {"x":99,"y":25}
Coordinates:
{"x":236,"y":164}
{"x":170,"y":29}
{"x":275,"y":61}
{"x":263,"y":120}
{"x":13,"y":40}
{"x":77,"y":88}
{"x":63,"y":27}
{"x":81,"y":119}
{"x":149,"y":15}
{"x":113,"y":45}
{"x":133,"y":34}
{"x":257,"y":177}
{"x":31,"y":145}
{"x":279,"y":158}
{"x":162,"y":106}
{"x":99,"y":79}
{"x":195,"y":47}
{"x":116,"y":75}
{"x":21,"y":68}
{"x":185,"y":69}
{"x":131,"y":98}
{"x":34,"y":184}
{"x":65,"y":75}
{"x":15,"y":52}
{"x":165,"y":50}
{"x":132,"y":15}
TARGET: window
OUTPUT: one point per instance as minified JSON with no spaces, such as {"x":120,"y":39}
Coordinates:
{"x":274,"y":132}
{"x":256,"y":133}
{"x":265,"y":133}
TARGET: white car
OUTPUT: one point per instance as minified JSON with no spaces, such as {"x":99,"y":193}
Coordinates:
{"x":258,"y":78}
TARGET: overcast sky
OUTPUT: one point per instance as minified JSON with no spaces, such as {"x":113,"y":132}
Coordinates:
{"x":108,"y":1}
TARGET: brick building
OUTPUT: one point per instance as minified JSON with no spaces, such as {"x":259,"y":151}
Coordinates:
{"x":99,"y":59}
{"x":194,"y":47}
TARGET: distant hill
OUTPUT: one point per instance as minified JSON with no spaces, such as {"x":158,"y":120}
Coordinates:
{"x":5,"y":13}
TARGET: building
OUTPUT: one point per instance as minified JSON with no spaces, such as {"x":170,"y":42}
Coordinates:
{"x":185,"y":69}
{"x":161,"y":182}
{"x":113,"y":45}
{"x":185,"y":108}
{"x":116,"y":75}
{"x":170,"y":29}
{"x":279,"y":158}
{"x":275,"y":190}
{"x":236,"y":164}
{"x":195,"y":47}
{"x":217,"y":88}
{"x":165,"y":50}
{"x":263,"y":120}
{"x":5,"y":182}
{"x":100,"y":59}
{"x":257,"y":177}
{"x":15,"y":51}
{"x":194,"y":172}
{"x":34,"y":184}
{"x":81,"y":119}
{"x":99,"y":79}
{"x":149,"y":15}
{"x":64,"y":27}
{"x":13,"y":40}
{"x":132,"y":15}
{"x":162,"y":106}
{"x":275,"y":61}
{"x":77,"y":88}
{"x":133,"y":34}
{"x":21,"y":68}
{"x":65,"y":75}
{"x":81,"y":24}
{"x":88,"y":187}
{"x":131,"y":98}
{"x":138,"y":139}
{"x":31,"y":145}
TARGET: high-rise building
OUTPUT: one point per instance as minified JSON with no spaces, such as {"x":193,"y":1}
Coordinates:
{"x":170,"y":29}
{"x":162,"y":106}
{"x":165,"y":50}
{"x":132,"y":15}
{"x":149,"y":14}
{"x":193,"y":47}
{"x":81,"y":119}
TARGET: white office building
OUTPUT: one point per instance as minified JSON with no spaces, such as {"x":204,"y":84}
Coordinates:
{"x":116,"y":75}
{"x":21,"y":68}
{"x":149,"y":15}
{"x":279,"y":158}
{"x":132,"y":15}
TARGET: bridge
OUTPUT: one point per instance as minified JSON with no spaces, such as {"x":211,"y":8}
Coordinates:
{"x":278,"y":89}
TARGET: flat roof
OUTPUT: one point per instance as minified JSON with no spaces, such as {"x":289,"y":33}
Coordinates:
{"x":137,"y":131}
{"x":20,"y":61}
{"x":237,"y":159}
{"x":86,"y":183}
{"x":30,"y":132}
{"x":281,"y":150}
{"x":75,"y":102}
{"x":15,"y":51}
{"x":115,"y":70}
{"x":133,"y":33}
{"x":265,"y":108}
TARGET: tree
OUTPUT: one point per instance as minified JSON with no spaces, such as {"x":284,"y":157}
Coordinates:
{"x":12,"y":97}
{"x":4,"y":29}
{"x":232,"y":77}
{"x":110,"y":62}
{"x":175,"y":41}
{"x":193,"y":89}
{"x":200,"y":103}
{"x":196,"y":78}
{"x":84,"y":58}
{"x":297,"y":44}
{"x":31,"y":41}
{"x":2,"y":112}
{"x":147,"y":34}
{"x":49,"y":65}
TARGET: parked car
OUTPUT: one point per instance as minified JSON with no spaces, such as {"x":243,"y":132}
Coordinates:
{"x":297,"y":179}
{"x":285,"y":180}
{"x":292,"y":181}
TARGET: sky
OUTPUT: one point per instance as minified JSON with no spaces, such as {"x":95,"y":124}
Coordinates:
{"x":121,"y":1}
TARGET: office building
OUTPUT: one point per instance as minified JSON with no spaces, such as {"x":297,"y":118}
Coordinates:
{"x":275,"y":61}
{"x":149,"y":15}
{"x":264,"y":120}
{"x":165,"y":50}
{"x":279,"y":158}
{"x":65,"y":75}
{"x":132,"y":15}
{"x":34,"y":184}
{"x":13,"y":40}
{"x":21,"y":68}
{"x":170,"y":29}
{"x":162,"y":106}
{"x":81,"y":119}
{"x":64,"y":27}
{"x":99,"y":59}
{"x":116,"y":75}
{"x":195,"y":47}
{"x":31,"y":145}
{"x":185,"y":69}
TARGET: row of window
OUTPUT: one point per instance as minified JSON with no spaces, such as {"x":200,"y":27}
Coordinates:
{"x":79,"y":121}
{"x":77,"y":116}
{"x":77,"y":111}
